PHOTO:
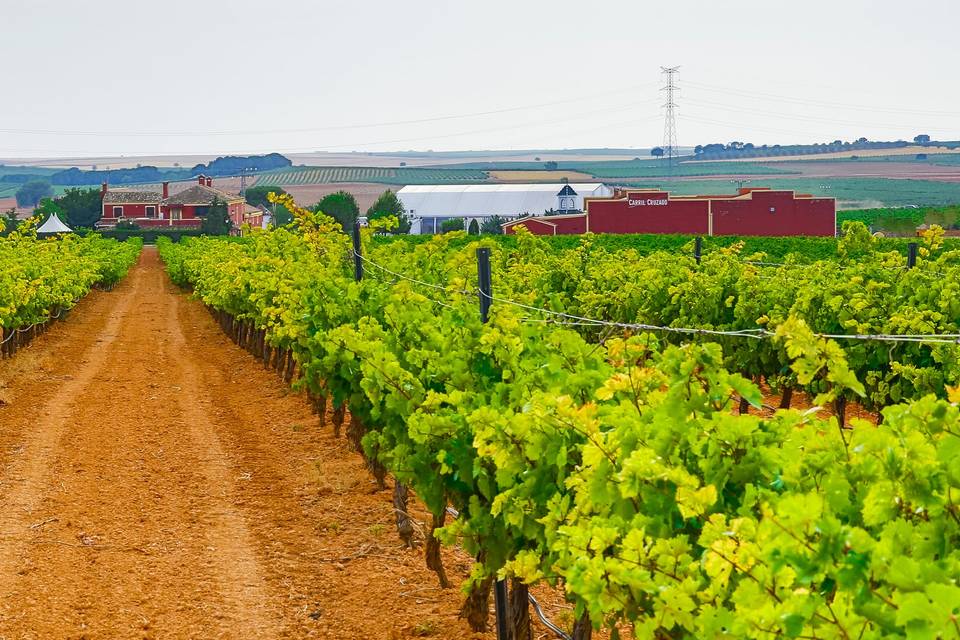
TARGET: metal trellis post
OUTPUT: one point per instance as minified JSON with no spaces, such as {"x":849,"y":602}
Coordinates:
{"x":911,"y":255}
{"x":486,"y":290}
{"x":357,"y":253}
{"x":698,"y":248}
{"x":486,"y":293}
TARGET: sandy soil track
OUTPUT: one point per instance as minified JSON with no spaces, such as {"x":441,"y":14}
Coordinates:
{"x":155,"y":482}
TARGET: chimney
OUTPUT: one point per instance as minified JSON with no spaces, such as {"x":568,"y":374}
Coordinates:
{"x":209,"y":182}
{"x":103,"y":190}
{"x":166,"y":190}
{"x":201,"y":180}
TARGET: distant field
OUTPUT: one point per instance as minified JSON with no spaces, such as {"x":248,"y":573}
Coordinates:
{"x":851,"y":193}
{"x":8,"y":189}
{"x":631,"y":168}
{"x":401,"y":175}
{"x":540,"y":176}
{"x":845,"y":155}
{"x":6,"y":170}
{"x":626,"y":170}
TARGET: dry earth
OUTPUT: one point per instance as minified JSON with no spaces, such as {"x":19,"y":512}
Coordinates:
{"x":155,"y":482}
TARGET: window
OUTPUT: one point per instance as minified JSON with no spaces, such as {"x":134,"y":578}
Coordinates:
{"x":174,"y":214}
{"x":118,"y":212}
{"x":151,"y":212}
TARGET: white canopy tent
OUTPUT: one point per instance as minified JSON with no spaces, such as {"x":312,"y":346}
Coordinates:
{"x":53,"y":225}
{"x":429,"y":205}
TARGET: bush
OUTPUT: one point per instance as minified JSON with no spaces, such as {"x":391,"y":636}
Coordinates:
{"x":150,"y":236}
{"x":453,"y":224}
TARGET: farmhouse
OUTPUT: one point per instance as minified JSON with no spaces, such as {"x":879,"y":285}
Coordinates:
{"x":184,"y":210}
{"x":750,"y":212}
{"x":428,"y":206}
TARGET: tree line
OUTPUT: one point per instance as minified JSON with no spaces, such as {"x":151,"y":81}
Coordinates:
{"x":81,"y":208}
{"x":222,"y":166}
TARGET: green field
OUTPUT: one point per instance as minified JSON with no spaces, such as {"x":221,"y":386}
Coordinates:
{"x":322,"y":175}
{"x":9,"y":189}
{"x":847,"y":191}
{"x":937,"y":159}
{"x":7,"y":170}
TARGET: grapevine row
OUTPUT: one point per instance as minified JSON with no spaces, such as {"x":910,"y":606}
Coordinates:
{"x":614,"y":468}
{"x":42,"y":278}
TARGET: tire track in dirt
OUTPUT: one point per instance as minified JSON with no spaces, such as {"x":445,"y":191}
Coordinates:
{"x":24,"y":478}
{"x":122,"y":524}
{"x":229,"y":537}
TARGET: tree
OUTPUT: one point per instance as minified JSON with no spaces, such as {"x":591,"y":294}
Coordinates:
{"x":217,"y":221}
{"x":281,"y":216}
{"x":81,"y":207}
{"x":388,"y":204}
{"x":657,"y":152}
{"x":492,"y":225}
{"x":342,"y":207}
{"x":46,"y":208}
{"x":30,"y":194}
{"x":697,"y":150}
{"x":453,"y":224}
{"x":922,"y":139}
{"x":474,"y":228}
{"x":9,"y":222}
{"x":257,"y":196}
{"x":551,"y":165}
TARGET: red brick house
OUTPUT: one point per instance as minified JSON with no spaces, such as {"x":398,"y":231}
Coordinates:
{"x":183,"y":210}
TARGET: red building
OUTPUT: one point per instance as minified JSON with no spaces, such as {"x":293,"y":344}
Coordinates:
{"x":185,"y":209}
{"x":751,"y":212}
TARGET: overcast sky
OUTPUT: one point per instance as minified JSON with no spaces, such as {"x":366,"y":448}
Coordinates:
{"x":215,"y":76}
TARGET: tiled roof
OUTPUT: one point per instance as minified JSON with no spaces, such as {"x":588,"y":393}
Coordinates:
{"x":202,"y":196}
{"x":131,"y":196}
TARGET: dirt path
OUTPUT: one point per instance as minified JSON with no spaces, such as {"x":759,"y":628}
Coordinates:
{"x":155,"y":482}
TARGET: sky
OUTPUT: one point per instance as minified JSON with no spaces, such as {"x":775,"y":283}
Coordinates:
{"x":111,"y":77}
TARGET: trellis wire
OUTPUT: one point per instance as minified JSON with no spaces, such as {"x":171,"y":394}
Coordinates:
{"x":756,"y":334}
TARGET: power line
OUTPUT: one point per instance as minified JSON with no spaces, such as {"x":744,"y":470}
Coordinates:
{"x":354,"y":145}
{"x":814,"y":102}
{"x":804,"y":118}
{"x":369,"y":125}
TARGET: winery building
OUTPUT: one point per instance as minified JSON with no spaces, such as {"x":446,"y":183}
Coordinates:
{"x":749,"y":212}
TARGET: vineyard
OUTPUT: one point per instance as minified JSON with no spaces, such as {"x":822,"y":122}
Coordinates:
{"x":600,"y":421}
{"x":401,"y":176}
{"x":40,"y":280}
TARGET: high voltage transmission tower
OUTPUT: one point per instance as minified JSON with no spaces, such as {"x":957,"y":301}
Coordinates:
{"x":670,"y":118}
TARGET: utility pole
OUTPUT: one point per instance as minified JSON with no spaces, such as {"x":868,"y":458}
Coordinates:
{"x":670,"y":118}
{"x":243,"y":179}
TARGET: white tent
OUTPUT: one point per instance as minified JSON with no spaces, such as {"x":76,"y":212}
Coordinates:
{"x":429,"y":205}
{"x":53,"y":225}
